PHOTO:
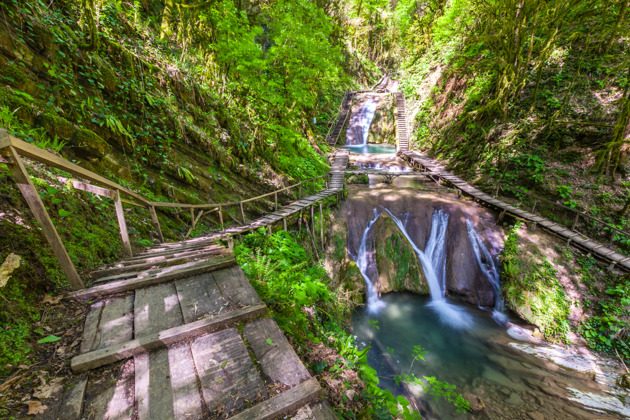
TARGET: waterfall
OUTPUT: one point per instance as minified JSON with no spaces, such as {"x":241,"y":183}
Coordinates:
{"x":489,"y":269}
{"x":359,"y":124}
{"x":433,"y":261}
{"x":374,"y":302}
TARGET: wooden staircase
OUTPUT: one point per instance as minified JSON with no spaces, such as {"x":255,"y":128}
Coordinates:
{"x":401,"y":122}
{"x":172,"y":338}
{"x":346,"y":104}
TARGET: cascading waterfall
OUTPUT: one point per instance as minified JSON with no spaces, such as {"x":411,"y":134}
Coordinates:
{"x":489,"y":269}
{"x":433,"y":260}
{"x":359,"y":125}
{"x":374,"y":302}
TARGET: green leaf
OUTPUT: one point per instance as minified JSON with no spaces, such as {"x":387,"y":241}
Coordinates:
{"x":319,"y":367}
{"x":49,"y":339}
{"x":40,"y":331}
{"x":64,"y":213}
{"x":223,"y":364}
{"x":269,"y":341}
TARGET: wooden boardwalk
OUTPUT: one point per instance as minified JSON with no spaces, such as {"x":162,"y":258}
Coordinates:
{"x":333,"y":137}
{"x":438,"y":173}
{"x":401,"y":122}
{"x":184,"y":341}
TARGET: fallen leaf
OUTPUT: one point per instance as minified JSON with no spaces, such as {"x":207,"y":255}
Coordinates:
{"x":35,"y":408}
{"x":51,"y":299}
{"x":218,"y":380}
{"x":6,"y":269}
{"x":49,"y":339}
{"x":45,"y":391}
{"x":269,"y":341}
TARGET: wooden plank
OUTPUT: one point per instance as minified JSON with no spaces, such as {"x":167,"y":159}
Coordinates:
{"x":278,"y":361}
{"x":229,"y":379}
{"x":72,"y":404}
{"x":122,"y":224}
{"x":199,"y":296}
{"x":165,"y":338}
{"x":284,"y":403}
{"x":111,"y":396}
{"x":319,"y":410}
{"x":26,"y":187}
{"x":235,"y":288}
{"x":156,"y":223}
{"x":90,"y":327}
{"x":154,"y":395}
{"x":41,"y":155}
{"x":156,"y":308}
{"x":93,"y":189}
{"x":170,"y":254}
{"x":156,"y":278}
{"x":187,"y":402}
{"x":116,"y":323}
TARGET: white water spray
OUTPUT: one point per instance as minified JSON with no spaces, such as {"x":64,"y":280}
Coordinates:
{"x":489,"y":269}
{"x":374,"y":302}
{"x":433,"y":260}
{"x":359,"y":124}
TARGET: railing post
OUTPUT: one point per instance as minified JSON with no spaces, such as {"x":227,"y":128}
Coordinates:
{"x":299,"y":191}
{"x":612,"y":237}
{"x":275,"y":199}
{"x":38,"y":209}
{"x":314,"y":188}
{"x":156,"y":222}
{"x":313,"y":220}
{"x":321,"y":223}
{"x":575,"y":222}
{"x":221,"y":217}
{"x":122,"y":224}
{"x":534,"y":206}
{"x":242,"y":212}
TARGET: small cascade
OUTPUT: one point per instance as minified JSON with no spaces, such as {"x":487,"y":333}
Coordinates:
{"x":489,"y":269}
{"x":374,"y":302}
{"x":433,"y":260}
{"x":359,"y":124}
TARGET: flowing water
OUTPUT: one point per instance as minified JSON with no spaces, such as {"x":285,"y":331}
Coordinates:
{"x":359,"y":124}
{"x":365,"y":260}
{"x":477,"y":361}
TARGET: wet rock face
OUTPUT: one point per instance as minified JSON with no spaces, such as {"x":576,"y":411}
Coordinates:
{"x":395,"y":265}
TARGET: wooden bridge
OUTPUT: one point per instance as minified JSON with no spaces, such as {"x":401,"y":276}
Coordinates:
{"x":401,"y":122}
{"x":603,"y":252}
{"x":177,"y":331}
{"x":332,"y":137}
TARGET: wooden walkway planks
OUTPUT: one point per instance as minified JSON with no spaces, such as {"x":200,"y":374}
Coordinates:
{"x":401,"y":122}
{"x":575,"y":239}
{"x":333,"y":137}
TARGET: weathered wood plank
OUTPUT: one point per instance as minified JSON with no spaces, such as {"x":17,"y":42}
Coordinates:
{"x":187,"y":402}
{"x":165,"y":338}
{"x":122,"y":224}
{"x":111,"y":397}
{"x":116,"y":323}
{"x":160,"y":277}
{"x":35,"y":204}
{"x":199,"y":296}
{"x":229,"y":380}
{"x":156,"y":309}
{"x":235,"y":288}
{"x":72,"y":401}
{"x":278,"y":361}
{"x":90,"y":327}
{"x":284,"y":403}
{"x":154,"y":396}
{"x":320,"y":410}
{"x":168,"y":255}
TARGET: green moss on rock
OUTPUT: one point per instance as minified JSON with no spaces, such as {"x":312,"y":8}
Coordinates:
{"x":89,"y":143}
{"x":56,"y":126}
{"x":13,"y":74}
{"x":109,"y":78}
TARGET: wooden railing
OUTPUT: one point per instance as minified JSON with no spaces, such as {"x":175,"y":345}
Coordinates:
{"x":574,"y":219}
{"x":12,"y":149}
{"x":333,"y":122}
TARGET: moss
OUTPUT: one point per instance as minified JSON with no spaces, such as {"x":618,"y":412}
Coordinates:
{"x":13,"y":74}
{"x":340,"y":246}
{"x":56,"y":126}
{"x":109,"y":78}
{"x":21,"y":107}
{"x":89,"y":143}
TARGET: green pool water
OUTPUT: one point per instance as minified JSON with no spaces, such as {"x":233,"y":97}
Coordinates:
{"x":372,"y":148}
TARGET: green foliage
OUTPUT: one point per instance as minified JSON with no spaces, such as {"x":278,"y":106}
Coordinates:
{"x":532,"y":289}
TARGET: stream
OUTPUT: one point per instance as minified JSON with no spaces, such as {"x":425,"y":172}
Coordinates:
{"x":471,"y":342}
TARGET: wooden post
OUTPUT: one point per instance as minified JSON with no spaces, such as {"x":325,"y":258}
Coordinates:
{"x":242,"y":212}
{"x":300,"y":223}
{"x":496,"y":192}
{"x":314,"y":187}
{"x":299,"y":191}
{"x":275,"y":199}
{"x":156,"y":222}
{"x":313,"y":219}
{"x":612,"y":237}
{"x":284,"y":222}
{"x":122,"y":224}
{"x":534,"y":206}
{"x":321,"y":223}
{"x":575,"y":222}
{"x":38,"y":209}
{"x":221,"y":217}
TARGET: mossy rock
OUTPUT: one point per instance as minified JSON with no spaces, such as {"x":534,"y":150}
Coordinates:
{"x":13,"y":74}
{"x":56,"y":126}
{"x":109,"y":78}
{"x":89,"y":144}
{"x":20,"y":106}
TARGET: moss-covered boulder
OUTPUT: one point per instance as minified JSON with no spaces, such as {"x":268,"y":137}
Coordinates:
{"x":13,"y":74}
{"x":87,"y":143}
{"x":56,"y":126}
{"x":397,"y":262}
{"x":109,"y":78}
